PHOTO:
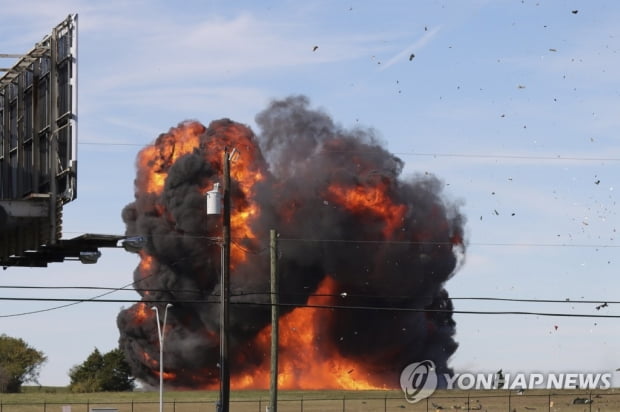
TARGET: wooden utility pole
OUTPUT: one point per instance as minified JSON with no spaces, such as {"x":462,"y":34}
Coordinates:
{"x":273,"y":384}
{"x":225,"y":292}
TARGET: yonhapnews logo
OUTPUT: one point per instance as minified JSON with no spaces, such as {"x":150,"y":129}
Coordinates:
{"x":419,"y":380}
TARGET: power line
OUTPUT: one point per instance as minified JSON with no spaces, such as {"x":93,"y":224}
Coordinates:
{"x":381,"y":241}
{"x":418,"y":154}
{"x":95,"y":143}
{"x":72,"y":302}
{"x":334,"y":295}
{"x":314,"y":306}
{"x":462,"y":312}
{"x":486,"y":156}
{"x":439,"y":243}
{"x":516,"y":157}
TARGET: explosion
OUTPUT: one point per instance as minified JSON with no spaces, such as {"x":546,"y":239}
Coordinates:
{"x":358,"y":244}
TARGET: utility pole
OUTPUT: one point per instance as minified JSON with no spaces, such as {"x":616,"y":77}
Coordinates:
{"x":225,"y":292}
{"x":273,"y":384}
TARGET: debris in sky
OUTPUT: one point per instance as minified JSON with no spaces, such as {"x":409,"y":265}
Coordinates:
{"x":575,"y":11}
{"x":411,"y":56}
{"x":520,"y":86}
{"x":553,"y":50}
{"x":604,"y":305}
{"x":596,"y":182}
{"x":496,"y":212}
{"x":556,"y":327}
{"x":315,"y":48}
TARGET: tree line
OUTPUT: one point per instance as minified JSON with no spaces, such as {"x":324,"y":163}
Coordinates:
{"x":100,"y":372}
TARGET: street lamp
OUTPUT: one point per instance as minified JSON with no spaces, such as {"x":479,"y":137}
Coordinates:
{"x":160,"y":333}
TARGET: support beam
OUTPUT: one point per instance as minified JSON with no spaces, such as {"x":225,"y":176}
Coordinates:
{"x":32,"y":208}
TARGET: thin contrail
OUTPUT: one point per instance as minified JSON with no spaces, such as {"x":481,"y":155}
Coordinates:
{"x":417,"y":45}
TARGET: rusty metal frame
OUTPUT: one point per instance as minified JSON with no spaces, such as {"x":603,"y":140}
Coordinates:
{"x":38,"y":141}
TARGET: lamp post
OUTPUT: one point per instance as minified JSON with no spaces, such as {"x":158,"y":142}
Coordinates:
{"x":160,"y":333}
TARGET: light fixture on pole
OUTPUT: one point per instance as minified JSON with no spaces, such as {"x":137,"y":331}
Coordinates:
{"x":134,"y":244}
{"x":161,"y":330}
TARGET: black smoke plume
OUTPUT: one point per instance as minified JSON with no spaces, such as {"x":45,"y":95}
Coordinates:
{"x":398,"y":258}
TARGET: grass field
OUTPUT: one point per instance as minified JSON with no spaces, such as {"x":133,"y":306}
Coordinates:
{"x":49,"y":399}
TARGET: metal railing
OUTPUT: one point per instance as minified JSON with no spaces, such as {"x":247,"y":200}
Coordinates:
{"x":600,"y":401}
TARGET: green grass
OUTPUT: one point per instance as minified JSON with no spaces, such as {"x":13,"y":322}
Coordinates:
{"x":54,"y":394}
{"x":51,"y":399}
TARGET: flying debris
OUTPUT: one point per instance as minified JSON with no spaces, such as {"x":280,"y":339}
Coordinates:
{"x":315,"y":48}
{"x":604,"y":305}
{"x":299,"y":159}
{"x":411,"y":56}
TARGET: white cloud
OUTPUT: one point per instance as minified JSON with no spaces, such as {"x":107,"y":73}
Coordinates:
{"x":167,"y":52}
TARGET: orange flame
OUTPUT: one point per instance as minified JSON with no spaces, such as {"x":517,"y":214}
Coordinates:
{"x":168,"y":376}
{"x":306,"y":361}
{"x":141,"y":313}
{"x":154,"y":365}
{"x":363,"y":199}
{"x":146,"y":264}
{"x":155,"y":160}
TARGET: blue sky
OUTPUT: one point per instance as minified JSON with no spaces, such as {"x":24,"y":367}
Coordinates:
{"x":513,"y":104}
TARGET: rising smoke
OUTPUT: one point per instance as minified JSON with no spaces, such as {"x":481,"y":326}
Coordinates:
{"x":347,"y":221}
